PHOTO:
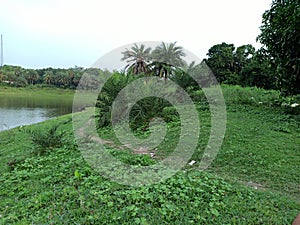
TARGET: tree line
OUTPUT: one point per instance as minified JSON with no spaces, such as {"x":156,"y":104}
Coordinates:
{"x":21,"y":77}
{"x":274,"y":66}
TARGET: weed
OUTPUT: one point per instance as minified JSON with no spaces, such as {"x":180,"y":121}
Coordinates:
{"x":47,"y":139}
{"x":258,"y":163}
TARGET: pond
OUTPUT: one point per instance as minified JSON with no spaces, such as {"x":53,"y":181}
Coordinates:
{"x":29,"y":109}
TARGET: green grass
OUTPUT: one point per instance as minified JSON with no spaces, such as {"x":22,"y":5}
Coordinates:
{"x":253,"y":180}
{"x":35,"y":91}
{"x":52,"y":97}
{"x":261,"y":145}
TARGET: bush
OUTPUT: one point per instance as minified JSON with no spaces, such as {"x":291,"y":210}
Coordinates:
{"x":47,"y":139}
{"x":170,"y":114}
{"x":141,"y":112}
{"x":250,"y":95}
{"x":291,"y":104}
{"x":198,"y":96}
{"x":21,"y":82}
{"x":108,"y":94}
{"x":147,"y":109}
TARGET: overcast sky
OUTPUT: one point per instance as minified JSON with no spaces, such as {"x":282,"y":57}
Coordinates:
{"x":58,"y":33}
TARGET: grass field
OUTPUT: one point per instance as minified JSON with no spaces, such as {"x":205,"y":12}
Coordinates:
{"x":36,"y":91}
{"x":253,"y":180}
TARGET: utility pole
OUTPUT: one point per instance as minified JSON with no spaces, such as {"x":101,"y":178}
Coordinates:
{"x":1,"y":64}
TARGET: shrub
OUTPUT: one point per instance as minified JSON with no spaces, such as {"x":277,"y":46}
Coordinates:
{"x":170,"y":114}
{"x":21,"y":82}
{"x":108,"y":94}
{"x":47,"y":139}
{"x":250,"y":95}
{"x":141,"y":112}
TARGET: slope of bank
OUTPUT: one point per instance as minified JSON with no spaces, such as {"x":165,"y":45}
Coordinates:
{"x":45,"y":180}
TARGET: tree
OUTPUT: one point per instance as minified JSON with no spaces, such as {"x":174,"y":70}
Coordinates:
{"x":31,"y":76}
{"x":166,"y":58}
{"x":11,"y":77}
{"x":280,"y":35}
{"x":9,"y":74}
{"x":227,"y":62}
{"x":182,"y":76}
{"x":48,"y":77}
{"x":75,"y":75}
{"x":221,"y":61}
{"x":21,"y":81}
{"x":259,"y":71}
{"x":62,"y":78}
{"x":242,"y":57}
{"x":138,"y":58}
{"x":3,"y":76}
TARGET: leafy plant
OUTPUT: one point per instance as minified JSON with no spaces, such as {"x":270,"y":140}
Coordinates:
{"x":280,"y":36}
{"x":47,"y":139}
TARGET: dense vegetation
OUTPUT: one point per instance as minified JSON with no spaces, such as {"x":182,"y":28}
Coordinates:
{"x":253,"y":180}
{"x":21,"y":77}
{"x":280,"y":35}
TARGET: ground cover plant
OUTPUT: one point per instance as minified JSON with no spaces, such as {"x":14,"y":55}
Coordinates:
{"x":253,"y":180}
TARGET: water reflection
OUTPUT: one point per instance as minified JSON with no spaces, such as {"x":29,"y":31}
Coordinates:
{"x":16,"y":111}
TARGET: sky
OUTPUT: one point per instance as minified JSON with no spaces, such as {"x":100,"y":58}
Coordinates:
{"x":65,"y":33}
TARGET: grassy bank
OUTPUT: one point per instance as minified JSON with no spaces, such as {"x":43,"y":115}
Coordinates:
{"x":44,"y":96}
{"x":35,"y":90}
{"x":253,"y":180}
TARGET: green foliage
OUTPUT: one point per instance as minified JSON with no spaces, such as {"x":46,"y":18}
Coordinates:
{"x":128,"y":157}
{"x":31,"y":76}
{"x":20,"y":77}
{"x":138,"y":58}
{"x":183,"y":76}
{"x":221,"y":61}
{"x":192,"y":76}
{"x":108,"y":94}
{"x":60,"y":187}
{"x":47,"y":139}
{"x":260,"y":72}
{"x":243,"y":55}
{"x":141,"y":112}
{"x":166,"y":58}
{"x":147,"y":109}
{"x":21,"y":82}
{"x":251,"y":96}
{"x":170,"y":114}
{"x":280,"y":35}
{"x":162,"y":61}
{"x":243,"y":66}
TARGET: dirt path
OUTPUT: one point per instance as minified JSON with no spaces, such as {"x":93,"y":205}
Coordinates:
{"x":144,"y":150}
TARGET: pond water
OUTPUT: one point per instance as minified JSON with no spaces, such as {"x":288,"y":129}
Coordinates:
{"x":25,"y":110}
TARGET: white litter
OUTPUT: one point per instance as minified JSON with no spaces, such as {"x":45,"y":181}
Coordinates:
{"x":192,"y":162}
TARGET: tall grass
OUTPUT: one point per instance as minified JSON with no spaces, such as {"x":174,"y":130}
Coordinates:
{"x":251,"y":95}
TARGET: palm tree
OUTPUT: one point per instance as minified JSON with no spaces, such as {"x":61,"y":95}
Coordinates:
{"x":2,"y":77}
{"x":137,"y":58}
{"x":31,"y":76}
{"x":48,"y":77}
{"x":167,"y":57}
